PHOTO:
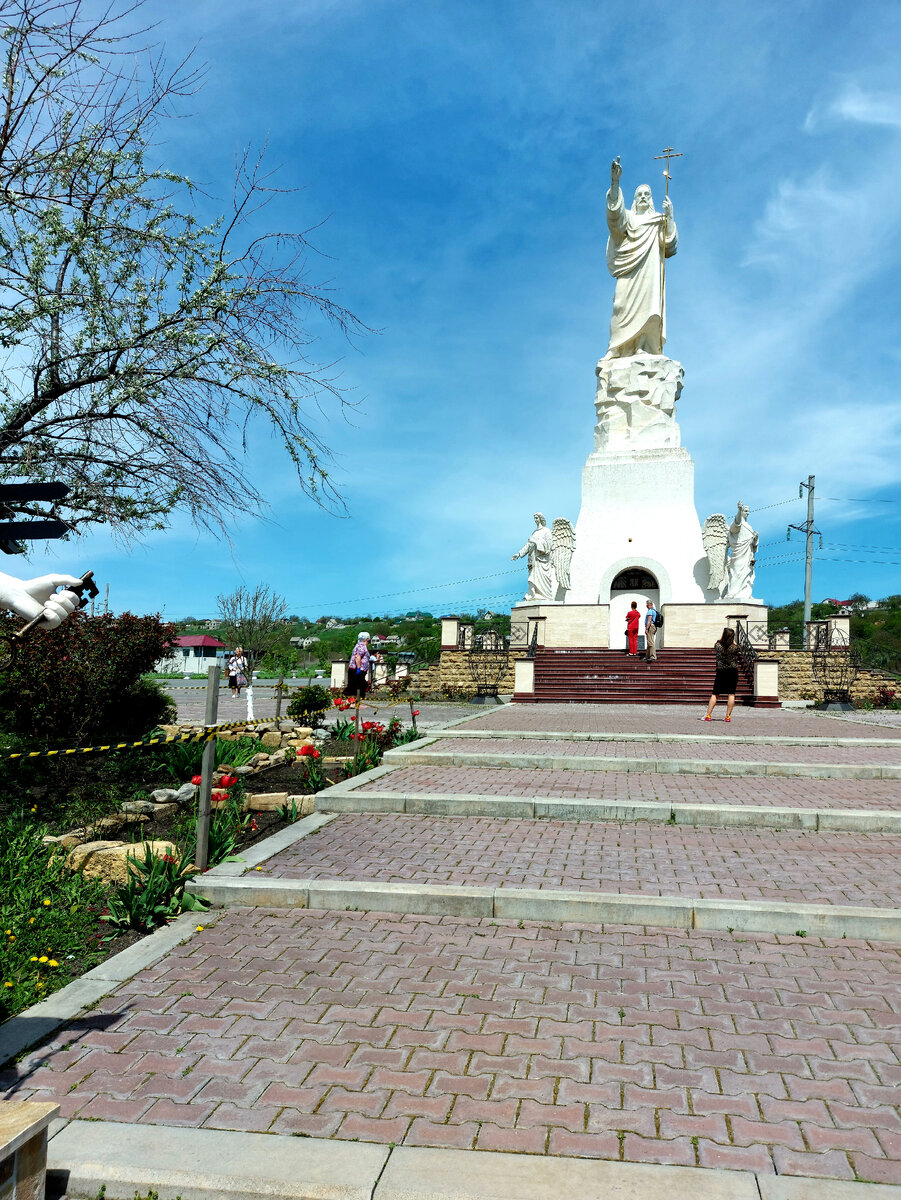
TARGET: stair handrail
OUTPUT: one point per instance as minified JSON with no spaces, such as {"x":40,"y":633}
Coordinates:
{"x":746,"y":650}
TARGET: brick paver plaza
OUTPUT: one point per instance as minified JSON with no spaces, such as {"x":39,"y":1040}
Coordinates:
{"x":746,"y":1051}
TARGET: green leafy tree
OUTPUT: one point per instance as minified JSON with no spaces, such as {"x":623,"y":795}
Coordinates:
{"x":138,"y":340}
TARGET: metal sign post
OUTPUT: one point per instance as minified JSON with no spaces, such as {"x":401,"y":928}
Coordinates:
{"x":208,"y":763}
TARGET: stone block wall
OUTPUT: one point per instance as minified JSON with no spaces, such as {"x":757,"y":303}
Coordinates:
{"x":798,"y":682}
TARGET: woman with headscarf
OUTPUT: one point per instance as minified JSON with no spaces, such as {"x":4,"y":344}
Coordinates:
{"x":358,"y":671}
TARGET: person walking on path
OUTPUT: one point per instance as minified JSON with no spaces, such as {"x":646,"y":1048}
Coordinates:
{"x":633,"y":619}
{"x":650,"y":632}
{"x":358,"y":673}
{"x":237,"y":671}
{"x":726,"y":679}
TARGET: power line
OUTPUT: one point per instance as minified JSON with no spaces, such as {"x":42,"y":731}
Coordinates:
{"x":778,"y":504}
{"x":859,"y":500}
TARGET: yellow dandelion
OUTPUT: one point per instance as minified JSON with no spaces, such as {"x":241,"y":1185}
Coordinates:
{"x":7,"y":984}
{"x":12,"y":937}
{"x":46,"y":904}
{"x":34,"y":958}
{"x":31,"y":920}
{"x":53,"y":963}
{"x":34,"y":808}
{"x":200,"y":928}
{"x":9,"y":931}
{"x":43,"y":958}
{"x":40,"y":986}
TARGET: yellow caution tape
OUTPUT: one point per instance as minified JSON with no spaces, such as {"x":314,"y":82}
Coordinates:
{"x":206,"y":735}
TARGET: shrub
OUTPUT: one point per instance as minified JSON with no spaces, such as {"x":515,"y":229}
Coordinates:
{"x":81,"y":683}
{"x":309,"y":704}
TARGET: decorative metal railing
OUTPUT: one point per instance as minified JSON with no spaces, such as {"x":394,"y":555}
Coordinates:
{"x":747,"y":651}
{"x":488,"y":660}
{"x":836,"y":661}
{"x":524,"y":636}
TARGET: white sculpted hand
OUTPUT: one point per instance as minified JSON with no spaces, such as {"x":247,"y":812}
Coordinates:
{"x":667,"y":208}
{"x":616,"y":173}
{"x":30,"y":598}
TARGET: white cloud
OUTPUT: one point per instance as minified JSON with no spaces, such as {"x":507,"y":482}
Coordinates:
{"x":854,"y":104}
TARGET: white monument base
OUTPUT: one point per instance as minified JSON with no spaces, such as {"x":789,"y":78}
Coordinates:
{"x":638,"y":516}
{"x":602,"y":626}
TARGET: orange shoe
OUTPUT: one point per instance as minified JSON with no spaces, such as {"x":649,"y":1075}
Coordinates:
{"x":728,"y":718}
{"x":708,"y":718}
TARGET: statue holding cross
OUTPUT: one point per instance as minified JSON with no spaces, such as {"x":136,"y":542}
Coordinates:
{"x":640,"y":242}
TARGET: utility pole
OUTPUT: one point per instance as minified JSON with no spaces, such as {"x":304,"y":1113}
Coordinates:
{"x":809,"y":531}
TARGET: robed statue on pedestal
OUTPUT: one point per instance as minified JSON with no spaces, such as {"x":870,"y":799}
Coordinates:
{"x":640,"y":240}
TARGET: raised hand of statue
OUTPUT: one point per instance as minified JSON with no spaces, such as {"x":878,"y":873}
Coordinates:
{"x":30,"y":598}
{"x":616,"y":174}
{"x":667,"y":208}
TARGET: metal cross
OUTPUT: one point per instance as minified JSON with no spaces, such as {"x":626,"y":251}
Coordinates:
{"x":668,"y":153}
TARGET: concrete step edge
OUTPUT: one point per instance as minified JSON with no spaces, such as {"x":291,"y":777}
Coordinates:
{"x":664,"y":766}
{"x":561,"y":808}
{"x":559,"y":904}
{"x":126,"y":1159}
{"x":712,"y":739}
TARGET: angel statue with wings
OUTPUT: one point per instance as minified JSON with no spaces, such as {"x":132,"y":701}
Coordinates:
{"x":731,"y":551}
{"x":549,"y":553}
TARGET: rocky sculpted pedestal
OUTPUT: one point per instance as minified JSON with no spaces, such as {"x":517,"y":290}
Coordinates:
{"x":638,"y":508}
{"x":636,"y":403}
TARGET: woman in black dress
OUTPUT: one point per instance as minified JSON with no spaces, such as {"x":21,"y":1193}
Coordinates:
{"x":726,"y":679}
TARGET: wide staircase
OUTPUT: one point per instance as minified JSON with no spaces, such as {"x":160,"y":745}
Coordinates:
{"x":610,"y":676}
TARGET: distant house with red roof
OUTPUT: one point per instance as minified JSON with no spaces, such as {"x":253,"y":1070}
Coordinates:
{"x":192,"y":654}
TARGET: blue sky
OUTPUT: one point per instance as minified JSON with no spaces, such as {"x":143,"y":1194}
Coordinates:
{"x":461,"y":152}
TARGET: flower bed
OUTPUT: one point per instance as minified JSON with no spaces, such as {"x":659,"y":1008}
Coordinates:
{"x":56,"y":922}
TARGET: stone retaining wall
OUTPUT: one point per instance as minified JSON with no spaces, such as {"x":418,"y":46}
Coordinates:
{"x":797,"y":680}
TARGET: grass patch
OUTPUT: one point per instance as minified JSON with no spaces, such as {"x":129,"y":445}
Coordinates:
{"x":49,"y":919}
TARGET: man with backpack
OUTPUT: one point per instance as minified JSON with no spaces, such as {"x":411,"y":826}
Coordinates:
{"x":652,"y":622}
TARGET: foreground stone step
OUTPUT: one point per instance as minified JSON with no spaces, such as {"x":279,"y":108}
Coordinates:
{"x":597,"y":856}
{"x":626,"y":718}
{"x":631,"y":787}
{"x":247,"y":1166}
{"x":645,"y":1045}
{"x":692,"y":758}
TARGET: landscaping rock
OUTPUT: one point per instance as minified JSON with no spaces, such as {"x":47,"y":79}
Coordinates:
{"x":305,"y":804}
{"x":163,"y":810}
{"x":266,"y":801}
{"x":271,"y":739}
{"x":185,"y":794}
{"x":108,"y":861}
{"x":259,"y":758}
{"x":163,"y":795}
{"x":170,"y":730}
{"x":112,"y":825}
{"x":298,"y":742}
{"x":246,"y":769}
{"x":137,"y":806}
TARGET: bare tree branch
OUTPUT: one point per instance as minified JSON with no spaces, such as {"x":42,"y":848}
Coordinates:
{"x":140,"y":344}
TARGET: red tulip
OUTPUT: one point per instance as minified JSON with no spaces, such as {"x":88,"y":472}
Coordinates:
{"x":197,"y":780}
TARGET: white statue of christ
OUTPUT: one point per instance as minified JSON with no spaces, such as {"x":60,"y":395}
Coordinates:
{"x":639,"y":237}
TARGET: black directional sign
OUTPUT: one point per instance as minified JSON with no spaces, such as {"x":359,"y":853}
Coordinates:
{"x":13,"y":534}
